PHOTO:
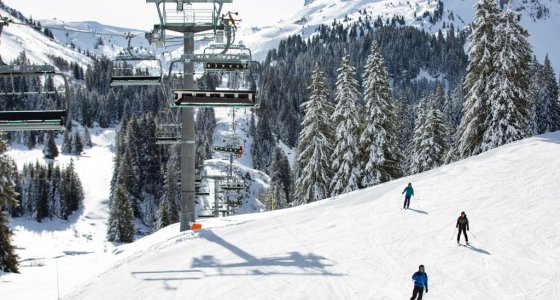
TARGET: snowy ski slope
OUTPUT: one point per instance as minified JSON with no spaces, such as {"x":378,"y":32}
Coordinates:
{"x":362,"y":246}
{"x":356,"y":246}
{"x":37,"y":47}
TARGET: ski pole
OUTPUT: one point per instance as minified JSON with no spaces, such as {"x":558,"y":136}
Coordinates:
{"x":454,"y":233}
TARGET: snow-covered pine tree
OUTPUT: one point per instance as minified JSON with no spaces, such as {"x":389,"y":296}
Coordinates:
{"x":279,"y":171}
{"x":162,"y":217}
{"x":281,"y":197}
{"x":509,"y":107}
{"x":477,"y":83}
{"x":276,"y":197}
{"x":121,"y":218}
{"x":452,"y":108}
{"x":345,"y":157}
{"x":66,"y":147}
{"x":315,"y":144}
{"x":128,"y":178}
{"x":546,"y":104}
{"x":379,"y":142}
{"x":429,"y":145}
{"x":252,"y":126}
{"x":75,"y":191}
{"x":535,"y":87}
{"x":60,"y":204}
{"x":50,"y":150}
{"x":263,"y":143}
{"x":87,"y":138}
{"x":40,"y":194}
{"x":170,"y":196}
{"x":77,"y":146}
{"x":119,"y":153}
{"x":8,"y":257}
{"x":205,"y":126}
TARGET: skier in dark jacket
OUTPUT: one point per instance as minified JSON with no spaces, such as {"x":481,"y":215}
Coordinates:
{"x":409,"y":193}
{"x":463,"y":225}
{"x":420,"y":281}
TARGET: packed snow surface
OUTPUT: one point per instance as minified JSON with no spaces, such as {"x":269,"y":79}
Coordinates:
{"x":356,"y":246}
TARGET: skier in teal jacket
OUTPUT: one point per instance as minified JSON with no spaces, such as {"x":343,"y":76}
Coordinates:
{"x":409,"y":193}
{"x":420,"y":281}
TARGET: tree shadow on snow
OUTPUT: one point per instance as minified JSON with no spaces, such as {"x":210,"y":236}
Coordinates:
{"x":478,"y":250}
{"x":295,"y":263}
{"x":48,"y":225}
{"x":551,"y":137}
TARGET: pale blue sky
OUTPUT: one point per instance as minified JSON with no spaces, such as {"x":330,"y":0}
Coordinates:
{"x":138,"y":14}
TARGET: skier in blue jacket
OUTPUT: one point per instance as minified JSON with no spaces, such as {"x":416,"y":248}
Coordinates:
{"x":409,"y":193}
{"x":420,"y":281}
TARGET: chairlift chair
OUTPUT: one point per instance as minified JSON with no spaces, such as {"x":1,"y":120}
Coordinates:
{"x":36,"y":85}
{"x":234,"y":202}
{"x":135,"y":69}
{"x":236,"y":65}
{"x":232,"y":186}
{"x":129,"y":70}
{"x":231,"y":144}
{"x":206,"y":213}
{"x":168,"y":128}
{"x":229,"y":149}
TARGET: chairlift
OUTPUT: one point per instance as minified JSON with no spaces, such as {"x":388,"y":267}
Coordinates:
{"x":229,"y":149}
{"x":231,"y":145}
{"x":238,"y":76}
{"x":30,"y":99}
{"x":168,"y":127}
{"x":135,"y":69}
{"x":206,"y":213}
{"x":232,"y":186}
{"x":234,"y":202}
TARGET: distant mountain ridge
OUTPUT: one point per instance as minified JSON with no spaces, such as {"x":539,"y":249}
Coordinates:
{"x":540,"y":17}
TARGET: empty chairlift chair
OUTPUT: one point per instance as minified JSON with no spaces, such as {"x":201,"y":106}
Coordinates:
{"x":135,"y":69}
{"x":33,"y":97}
{"x":234,"y":71}
{"x":168,"y":127}
{"x":131,"y":70}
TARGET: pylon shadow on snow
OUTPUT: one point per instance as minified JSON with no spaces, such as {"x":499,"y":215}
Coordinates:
{"x":306,"y":265}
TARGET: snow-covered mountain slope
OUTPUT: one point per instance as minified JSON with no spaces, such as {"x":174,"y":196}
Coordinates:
{"x":541,"y":18}
{"x":357,"y":246}
{"x":95,"y":37}
{"x":17,"y":38}
{"x":101,"y":39}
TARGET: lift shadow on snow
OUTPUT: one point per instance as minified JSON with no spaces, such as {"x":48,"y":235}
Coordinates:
{"x":294,"y":263}
{"x":171,"y":275}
